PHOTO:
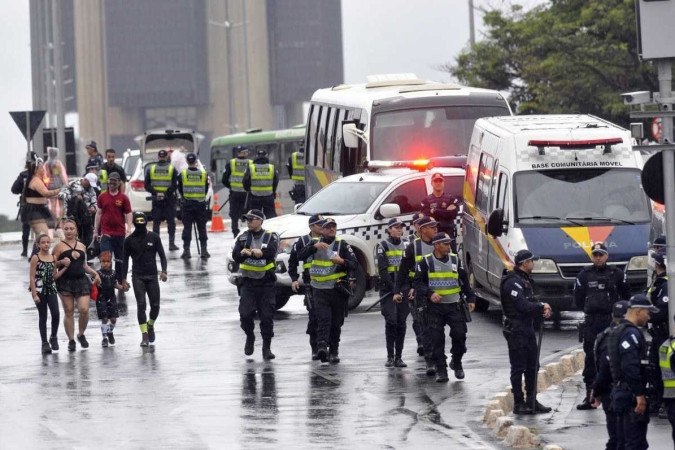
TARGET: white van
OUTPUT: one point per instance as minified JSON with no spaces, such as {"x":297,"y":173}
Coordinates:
{"x":554,"y":184}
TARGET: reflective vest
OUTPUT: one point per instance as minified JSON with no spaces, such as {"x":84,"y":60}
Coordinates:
{"x":103,"y":180}
{"x":323,"y":272}
{"x":262,"y":179}
{"x":237,"y":170}
{"x":394,"y":254}
{"x":194,"y":184}
{"x":298,"y":167}
{"x":306,"y":239}
{"x":421,"y":250}
{"x":253,"y":267}
{"x":666,"y":353}
{"x":161,"y":176}
{"x":444,"y":277}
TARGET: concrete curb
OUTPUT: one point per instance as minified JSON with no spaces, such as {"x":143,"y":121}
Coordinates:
{"x":497,"y":410}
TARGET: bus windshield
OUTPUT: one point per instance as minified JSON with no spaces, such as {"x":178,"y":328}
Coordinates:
{"x":343,"y":198}
{"x":426,"y":132}
{"x":584,"y":196}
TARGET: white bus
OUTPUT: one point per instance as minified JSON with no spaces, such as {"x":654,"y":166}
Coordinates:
{"x":393,"y":118}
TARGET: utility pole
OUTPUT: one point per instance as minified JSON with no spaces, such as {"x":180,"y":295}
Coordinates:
{"x":472,"y":31}
{"x":58,"y":79}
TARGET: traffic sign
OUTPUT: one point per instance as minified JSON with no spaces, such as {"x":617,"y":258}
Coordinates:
{"x":28,"y":121}
{"x":652,"y":178}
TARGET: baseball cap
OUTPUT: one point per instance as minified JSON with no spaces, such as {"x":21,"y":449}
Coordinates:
{"x":316,"y":219}
{"x":437,"y":176}
{"x":240,"y":148}
{"x":114,"y":176}
{"x":660,"y":241}
{"x":139,"y":218}
{"x":394,"y":222}
{"x":619,"y":309}
{"x":660,"y":258}
{"x":440,"y":238}
{"x":641,"y":301}
{"x":524,"y":255}
{"x":416,"y":217}
{"x":255,"y":214}
{"x":91,"y":144}
{"x":261,"y":152}
{"x":91,"y":178}
{"x":327,"y":222}
{"x":191,"y":158}
{"x":426,"y":222}
{"x":162,"y":153}
{"x":599,"y":247}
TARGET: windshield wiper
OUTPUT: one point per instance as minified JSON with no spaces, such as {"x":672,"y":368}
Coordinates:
{"x":604,"y":219}
{"x":566,"y":219}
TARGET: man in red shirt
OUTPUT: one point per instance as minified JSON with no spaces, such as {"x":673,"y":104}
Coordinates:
{"x":113,"y":220}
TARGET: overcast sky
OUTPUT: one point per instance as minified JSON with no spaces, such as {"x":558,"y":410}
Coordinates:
{"x":379,"y":36}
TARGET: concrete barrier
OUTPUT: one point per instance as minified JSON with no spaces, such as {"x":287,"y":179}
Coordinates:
{"x":579,"y":357}
{"x":505,"y":399}
{"x":502,"y":426}
{"x":554,"y":372}
{"x":519,"y":436}
{"x":542,"y":381}
{"x":491,"y":406}
{"x":492,"y":416}
{"x":567,"y":363}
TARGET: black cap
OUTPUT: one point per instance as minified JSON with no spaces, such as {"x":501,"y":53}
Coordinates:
{"x":599,"y":247}
{"x":139,"y":218}
{"x":261,"y":152}
{"x":316,"y":219}
{"x":416,"y":217}
{"x":524,"y":255}
{"x":660,"y":258}
{"x":91,"y":144}
{"x":441,"y":238}
{"x":619,"y":309}
{"x":327,"y":222}
{"x":240,"y":148}
{"x":255,"y":214}
{"x":162,"y":153}
{"x":641,"y":301}
{"x":191,"y":158}
{"x":426,"y":222}
{"x":394,"y":222}
{"x":114,"y":176}
{"x":660,"y":241}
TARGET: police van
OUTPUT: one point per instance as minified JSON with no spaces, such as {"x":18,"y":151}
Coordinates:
{"x":554,"y":184}
{"x":361,"y":205}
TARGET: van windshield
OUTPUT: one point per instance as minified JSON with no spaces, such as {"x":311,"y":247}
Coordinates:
{"x":343,"y":198}
{"x":580,"y":197}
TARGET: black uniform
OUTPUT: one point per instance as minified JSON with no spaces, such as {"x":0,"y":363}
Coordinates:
{"x":237,"y":193}
{"x":264,"y":203}
{"x":257,"y":294}
{"x":626,"y":348}
{"x":163,"y":202}
{"x":18,"y":188}
{"x":106,"y":302}
{"x":439,"y":205}
{"x":521,"y":312}
{"x":395,"y":314}
{"x":595,"y":292}
{"x":658,"y":328}
{"x":194,"y":211}
{"x":602,"y":385}
{"x":293,"y":263}
{"x":331,"y":302}
{"x":440,"y":314}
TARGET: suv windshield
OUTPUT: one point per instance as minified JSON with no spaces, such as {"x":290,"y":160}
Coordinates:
{"x":586,"y":196}
{"x":343,"y":198}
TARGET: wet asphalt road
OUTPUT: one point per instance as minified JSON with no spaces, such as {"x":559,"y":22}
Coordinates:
{"x":196,"y":389}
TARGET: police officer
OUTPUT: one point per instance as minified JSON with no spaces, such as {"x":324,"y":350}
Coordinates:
{"x":332,"y":276}
{"x":296,"y":170}
{"x":427,"y":228}
{"x":193,"y":186}
{"x":393,"y":307}
{"x":602,"y":385}
{"x":441,"y":285}
{"x":161,"y":181}
{"x":260,"y":181}
{"x":658,"y":246}
{"x":627,"y":349}
{"x":255,"y":252}
{"x":233,"y":179}
{"x":521,"y":309}
{"x":658,"y":325}
{"x":95,"y":159}
{"x":314,"y":235}
{"x":441,"y":206}
{"x":667,"y":366}
{"x":415,"y":233}
{"x":18,"y":188}
{"x":596,"y":289}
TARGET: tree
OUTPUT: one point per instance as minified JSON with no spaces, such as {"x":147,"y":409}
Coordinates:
{"x":568,"y":56}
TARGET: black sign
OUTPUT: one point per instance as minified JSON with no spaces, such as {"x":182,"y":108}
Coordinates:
{"x":652,"y":178}
{"x":32,"y":118}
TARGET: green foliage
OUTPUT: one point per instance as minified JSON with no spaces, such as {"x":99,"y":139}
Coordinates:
{"x":568,"y":56}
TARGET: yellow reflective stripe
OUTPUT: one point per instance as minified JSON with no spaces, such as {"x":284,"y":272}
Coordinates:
{"x":307,"y":265}
{"x":194,"y":189}
{"x":297,"y":168}
{"x":103,"y":180}
{"x":443,"y":275}
{"x":256,"y":268}
{"x":323,"y":263}
{"x":334,"y":276}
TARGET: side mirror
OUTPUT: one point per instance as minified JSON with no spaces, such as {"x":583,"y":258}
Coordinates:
{"x":390,"y":210}
{"x":350,"y":135}
{"x":495,"y":223}
{"x":296,"y":207}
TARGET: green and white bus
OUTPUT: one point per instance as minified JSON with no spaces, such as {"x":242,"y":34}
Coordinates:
{"x":279,"y":145}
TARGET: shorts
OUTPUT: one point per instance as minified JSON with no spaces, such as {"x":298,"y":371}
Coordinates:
{"x":107,"y":308}
{"x":77,"y":287}
{"x":35,"y":213}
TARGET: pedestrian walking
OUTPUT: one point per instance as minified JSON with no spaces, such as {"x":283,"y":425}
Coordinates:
{"x":108,"y":168}
{"x":73,"y":285}
{"x":442,"y":288}
{"x":43,"y":274}
{"x":393,"y":306}
{"x":315,"y":231}
{"x":106,"y":300}
{"x":193,"y":186}
{"x":260,"y":181}
{"x":161,"y":181}
{"x":255,"y":252}
{"x":113,"y":219}
{"x":332,"y":276}
{"x":36,"y":195}
{"x":56,"y":178}
{"x":296,"y":170}
{"x":522,"y":313}
{"x":143,"y":247}
{"x":233,"y":179}
{"x":95,"y":159}
{"x":19,"y":188}
{"x":596,"y":289}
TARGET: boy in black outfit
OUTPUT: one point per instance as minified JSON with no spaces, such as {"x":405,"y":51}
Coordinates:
{"x":106,"y":301}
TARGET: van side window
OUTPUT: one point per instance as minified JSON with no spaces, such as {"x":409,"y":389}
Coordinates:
{"x":484,"y":182}
{"x":502,"y":194}
{"x":408,"y":196}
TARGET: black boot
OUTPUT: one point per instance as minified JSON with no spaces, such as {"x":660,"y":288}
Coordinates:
{"x":441,"y":373}
{"x":538,"y":407}
{"x":521,"y":408}
{"x":186,"y":250}
{"x":24,"y":244}
{"x":322,"y":353}
{"x":456,"y":365}
{"x":586,"y":404}
{"x":205,"y":252}
{"x":390,"y":361}
{"x":267,"y":353}
{"x":248,"y":347}
{"x":431,"y":367}
{"x":398,"y":362}
{"x":172,"y":245}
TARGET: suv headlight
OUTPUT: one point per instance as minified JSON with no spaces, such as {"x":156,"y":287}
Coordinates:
{"x":545,"y":266}
{"x":286,"y":245}
{"x":638,"y":263}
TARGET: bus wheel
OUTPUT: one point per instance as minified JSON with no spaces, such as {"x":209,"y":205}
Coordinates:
{"x":359,"y":289}
{"x":482,"y":305}
{"x":281,"y":296}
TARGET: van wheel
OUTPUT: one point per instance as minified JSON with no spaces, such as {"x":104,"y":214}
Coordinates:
{"x":281,"y":296}
{"x":359,"y":289}
{"x":482,"y":305}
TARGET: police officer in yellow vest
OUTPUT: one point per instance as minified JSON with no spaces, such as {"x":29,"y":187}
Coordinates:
{"x":667,"y":365}
{"x":193,"y":186}
{"x":233,"y":179}
{"x":441,"y":281}
{"x":296,"y":170}
{"x":658,"y":324}
{"x":161,"y":181}
{"x":260,"y":181}
{"x":255,"y":251}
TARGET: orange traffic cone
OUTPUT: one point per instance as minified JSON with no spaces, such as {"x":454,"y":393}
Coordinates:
{"x":217,"y":224}
{"x":277,"y":205}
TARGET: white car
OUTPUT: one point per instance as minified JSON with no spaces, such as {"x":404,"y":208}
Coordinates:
{"x":135,"y":189}
{"x":361,"y":204}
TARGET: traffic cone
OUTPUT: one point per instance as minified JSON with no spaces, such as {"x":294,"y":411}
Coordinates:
{"x":217,"y":225}
{"x":277,"y":205}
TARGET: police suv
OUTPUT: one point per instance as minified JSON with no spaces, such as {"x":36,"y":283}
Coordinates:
{"x":361,"y":204}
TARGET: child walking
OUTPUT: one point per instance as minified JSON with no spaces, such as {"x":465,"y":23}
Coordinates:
{"x":106,"y":301}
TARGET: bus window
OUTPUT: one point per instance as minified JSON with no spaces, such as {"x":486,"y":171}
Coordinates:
{"x":330,"y":137}
{"x":320,"y":136}
{"x":311,"y":132}
{"x":337,"y":154}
